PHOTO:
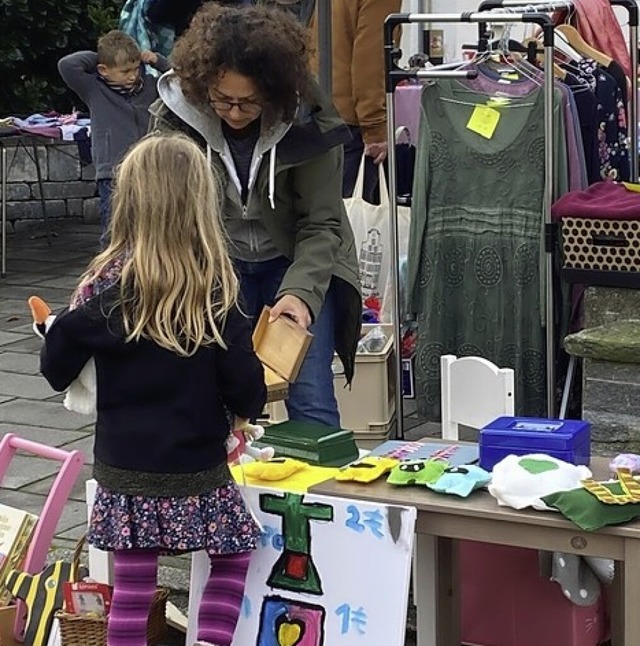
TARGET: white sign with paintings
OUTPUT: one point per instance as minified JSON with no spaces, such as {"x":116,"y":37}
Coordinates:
{"x":327,"y":572}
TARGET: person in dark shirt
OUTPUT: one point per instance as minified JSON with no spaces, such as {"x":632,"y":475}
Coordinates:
{"x":157,"y":310}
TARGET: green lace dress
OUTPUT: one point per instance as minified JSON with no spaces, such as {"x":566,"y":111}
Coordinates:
{"x":474,"y":269}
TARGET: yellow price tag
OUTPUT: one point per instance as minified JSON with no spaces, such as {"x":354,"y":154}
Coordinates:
{"x":484,"y":120}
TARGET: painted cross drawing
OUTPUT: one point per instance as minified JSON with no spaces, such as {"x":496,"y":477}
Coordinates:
{"x":294,"y":570}
{"x":322,"y":573}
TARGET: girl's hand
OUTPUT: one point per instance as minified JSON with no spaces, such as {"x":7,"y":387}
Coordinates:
{"x":293,"y":307}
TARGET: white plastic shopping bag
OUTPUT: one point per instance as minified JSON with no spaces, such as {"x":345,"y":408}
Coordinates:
{"x":372,"y":230}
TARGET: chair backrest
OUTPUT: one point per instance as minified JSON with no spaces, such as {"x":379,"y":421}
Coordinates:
{"x":474,"y":392}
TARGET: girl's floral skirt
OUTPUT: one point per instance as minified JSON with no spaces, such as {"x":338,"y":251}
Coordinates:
{"x":218,"y":522}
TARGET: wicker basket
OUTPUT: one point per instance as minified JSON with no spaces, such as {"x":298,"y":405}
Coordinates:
{"x":78,"y":630}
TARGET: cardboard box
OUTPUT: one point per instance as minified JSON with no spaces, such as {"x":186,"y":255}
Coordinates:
{"x":7,"y":619}
{"x":513,"y":612}
{"x":281,"y":346}
{"x":368,"y":408}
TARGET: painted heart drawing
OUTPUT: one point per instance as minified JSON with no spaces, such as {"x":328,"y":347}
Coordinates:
{"x":290,"y":632}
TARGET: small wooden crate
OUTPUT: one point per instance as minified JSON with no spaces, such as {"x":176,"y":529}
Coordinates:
{"x":281,"y":346}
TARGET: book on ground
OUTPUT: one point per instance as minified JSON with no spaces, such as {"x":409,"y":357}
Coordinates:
{"x":16,"y":529}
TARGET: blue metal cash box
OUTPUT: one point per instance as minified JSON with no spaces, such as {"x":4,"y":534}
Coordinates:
{"x":568,"y":440}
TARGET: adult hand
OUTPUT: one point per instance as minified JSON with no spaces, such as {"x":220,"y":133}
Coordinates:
{"x":293,"y":307}
{"x":377,"y":150}
{"x":149,"y":58}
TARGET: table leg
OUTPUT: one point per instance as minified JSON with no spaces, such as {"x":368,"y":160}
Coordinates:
{"x":425,"y":587}
{"x":437,"y":601}
{"x":448,"y":601}
{"x":36,"y":161}
{"x":631,"y":593}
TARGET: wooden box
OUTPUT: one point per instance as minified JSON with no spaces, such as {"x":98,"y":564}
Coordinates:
{"x":281,"y":346}
{"x":311,"y":442}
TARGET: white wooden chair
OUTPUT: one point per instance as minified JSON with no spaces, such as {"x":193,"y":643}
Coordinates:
{"x":474,"y":392}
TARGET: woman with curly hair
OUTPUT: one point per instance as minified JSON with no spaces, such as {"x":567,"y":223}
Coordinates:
{"x":242,"y":87}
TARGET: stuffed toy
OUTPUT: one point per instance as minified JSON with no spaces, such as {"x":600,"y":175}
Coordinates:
{"x":521,"y":481}
{"x":240,"y":442}
{"x":461,"y":481}
{"x":81,"y":395}
{"x":42,"y":595}
{"x":417,"y":472}
{"x":368,"y":469}
{"x":274,"y":470}
{"x":630,"y":461}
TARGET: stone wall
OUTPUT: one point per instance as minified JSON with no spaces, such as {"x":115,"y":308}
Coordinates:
{"x":68,"y":185}
{"x":611,"y":390}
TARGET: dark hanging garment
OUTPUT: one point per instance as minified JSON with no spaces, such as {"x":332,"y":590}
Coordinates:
{"x":405,"y":163}
{"x":176,"y":14}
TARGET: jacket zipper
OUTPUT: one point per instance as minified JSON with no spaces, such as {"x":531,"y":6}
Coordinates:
{"x":255,"y":165}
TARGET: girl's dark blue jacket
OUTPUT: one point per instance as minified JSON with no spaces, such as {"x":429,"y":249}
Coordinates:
{"x":162,"y":419}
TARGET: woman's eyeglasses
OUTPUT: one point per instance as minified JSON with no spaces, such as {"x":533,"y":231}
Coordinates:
{"x":246,"y":107}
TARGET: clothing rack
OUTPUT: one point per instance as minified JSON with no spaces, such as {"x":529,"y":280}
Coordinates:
{"x":632,"y":9}
{"x":530,"y":14}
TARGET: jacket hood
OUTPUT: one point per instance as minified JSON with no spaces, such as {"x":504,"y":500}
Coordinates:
{"x":316,"y":128}
{"x":208,"y":124}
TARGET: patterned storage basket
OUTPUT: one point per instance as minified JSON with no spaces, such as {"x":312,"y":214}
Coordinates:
{"x":600,"y":251}
{"x":78,"y":630}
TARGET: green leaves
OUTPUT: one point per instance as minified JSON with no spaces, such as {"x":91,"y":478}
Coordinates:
{"x":35,"y":35}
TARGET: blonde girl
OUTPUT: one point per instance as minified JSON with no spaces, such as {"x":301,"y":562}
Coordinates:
{"x":174,"y":360}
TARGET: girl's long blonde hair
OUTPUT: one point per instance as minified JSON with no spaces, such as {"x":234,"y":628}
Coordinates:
{"x":177,"y":280}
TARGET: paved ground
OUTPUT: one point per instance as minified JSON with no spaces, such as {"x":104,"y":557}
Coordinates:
{"x":32,"y":410}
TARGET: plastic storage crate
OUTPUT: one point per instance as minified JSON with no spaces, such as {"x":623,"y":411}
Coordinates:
{"x":368,"y":407}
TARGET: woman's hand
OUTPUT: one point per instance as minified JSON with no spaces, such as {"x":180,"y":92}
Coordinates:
{"x":376,"y":150}
{"x":293,"y":307}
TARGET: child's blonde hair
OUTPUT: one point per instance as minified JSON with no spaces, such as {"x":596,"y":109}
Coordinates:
{"x":117,"y":48}
{"x":178,"y":281}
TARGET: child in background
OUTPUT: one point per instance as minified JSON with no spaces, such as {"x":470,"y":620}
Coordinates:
{"x":118,"y":93}
{"x":157,"y":309}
